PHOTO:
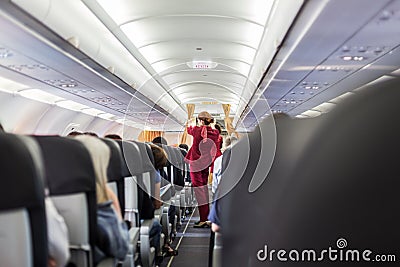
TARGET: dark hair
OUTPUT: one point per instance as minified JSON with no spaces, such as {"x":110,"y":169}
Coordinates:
{"x":74,"y":133}
{"x":113,"y":136}
{"x":160,"y":157}
{"x":184,"y":146}
{"x":1,"y":128}
{"x":91,"y":134}
{"x":218,"y":127}
{"x":207,"y":121}
{"x":160,"y":140}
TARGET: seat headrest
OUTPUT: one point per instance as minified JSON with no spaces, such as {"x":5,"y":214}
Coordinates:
{"x":147,"y":157}
{"x":68,"y":166}
{"x":21,"y":176}
{"x":132,"y":163}
{"x":115,"y":165}
{"x":178,"y":157}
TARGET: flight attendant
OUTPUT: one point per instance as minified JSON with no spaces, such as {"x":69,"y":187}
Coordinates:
{"x":200,"y":157}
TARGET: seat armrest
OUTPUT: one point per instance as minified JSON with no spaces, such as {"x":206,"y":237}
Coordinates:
{"x":147,"y":253}
{"x":134,"y":235}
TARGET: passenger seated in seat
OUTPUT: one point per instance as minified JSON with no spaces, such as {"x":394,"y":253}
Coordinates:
{"x":57,"y":235}
{"x":213,"y":217}
{"x":160,"y":160}
{"x":161,"y":141}
{"x":112,"y":239}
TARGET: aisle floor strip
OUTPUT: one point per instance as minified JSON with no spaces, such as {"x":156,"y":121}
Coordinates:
{"x":180,"y":239}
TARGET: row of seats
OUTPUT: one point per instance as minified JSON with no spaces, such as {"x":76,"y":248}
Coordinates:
{"x":333,"y":184}
{"x":67,"y":168}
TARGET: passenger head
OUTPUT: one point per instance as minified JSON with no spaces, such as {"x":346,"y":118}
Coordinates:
{"x":91,"y":134}
{"x":160,"y":157}
{"x":205,"y":117}
{"x":160,"y":140}
{"x":184,"y":146}
{"x":100,"y":155}
{"x":74,"y":133}
{"x":113,"y":136}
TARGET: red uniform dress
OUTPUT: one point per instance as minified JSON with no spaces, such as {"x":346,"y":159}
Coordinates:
{"x":219,"y":153}
{"x":200,"y":157}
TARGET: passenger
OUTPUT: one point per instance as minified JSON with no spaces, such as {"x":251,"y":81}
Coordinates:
{"x":217,"y":167}
{"x":161,"y":141}
{"x":219,"y":153}
{"x":57,"y":233}
{"x":160,"y":160}
{"x":113,"y":136}
{"x":200,"y":157}
{"x":213,"y":217}
{"x":112,"y":239}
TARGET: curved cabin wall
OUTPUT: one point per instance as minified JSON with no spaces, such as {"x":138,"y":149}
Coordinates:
{"x":26,"y":116}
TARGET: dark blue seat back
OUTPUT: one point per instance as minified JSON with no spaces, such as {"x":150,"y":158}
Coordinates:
{"x":70,"y":177}
{"x":22,"y":191}
{"x":333,"y":183}
{"x":114,"y":171}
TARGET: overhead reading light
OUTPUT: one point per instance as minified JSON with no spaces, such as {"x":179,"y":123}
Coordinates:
{"x":202,"y":64}
{"x":353,"y":58}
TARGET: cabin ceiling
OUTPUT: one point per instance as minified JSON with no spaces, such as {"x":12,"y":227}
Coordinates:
{"x":145,"y":60}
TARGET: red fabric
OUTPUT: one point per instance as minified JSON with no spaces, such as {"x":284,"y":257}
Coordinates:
{"x":204,"y":148}
{"x":219,"y":153}
{"x":199,"y":182}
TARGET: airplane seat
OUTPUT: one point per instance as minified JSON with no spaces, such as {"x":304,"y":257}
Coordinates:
{"x":116,"y":173}
{"x":71,"y":182}
{"x":142,"y":169}
{"x":172,"y":173}
{"x":346,"y":185}
{"x":179,"y":184}
{"x":23,"y":231}
{"x":246,"y":162}
{"x":337,"y":192}
{"x":130,"y":169}
{"x":131,"y":163}
{"x":216,"y":259}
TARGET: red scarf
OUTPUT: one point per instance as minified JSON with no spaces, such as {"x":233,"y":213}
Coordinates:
{"x":204,"y":133}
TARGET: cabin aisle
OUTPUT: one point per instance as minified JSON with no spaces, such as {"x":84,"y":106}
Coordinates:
{"x":192,"y":244}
